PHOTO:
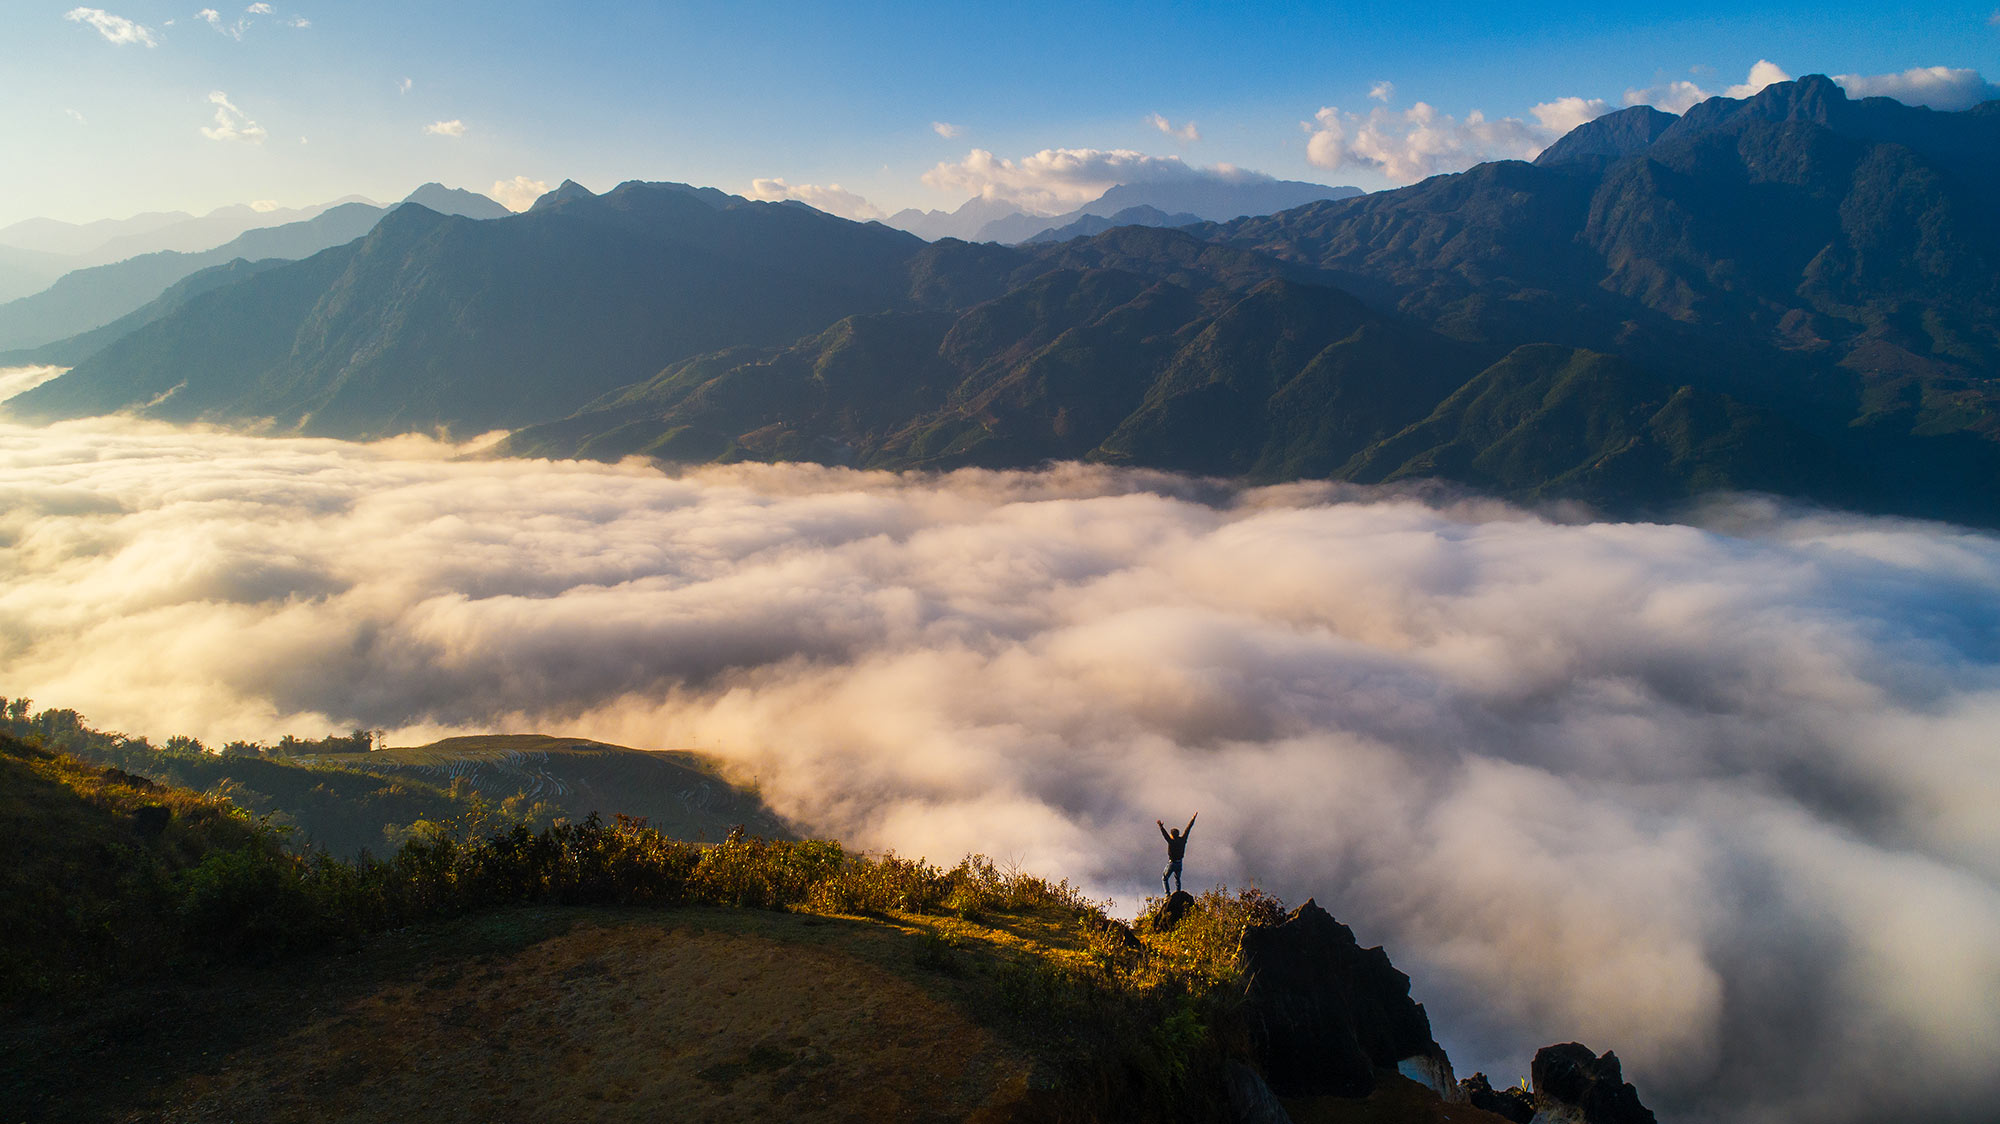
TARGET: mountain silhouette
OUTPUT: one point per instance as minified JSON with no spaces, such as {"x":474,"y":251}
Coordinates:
{"x":1795,"y":293}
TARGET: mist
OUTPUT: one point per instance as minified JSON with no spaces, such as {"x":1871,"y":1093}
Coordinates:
{"x":1722,"y":795}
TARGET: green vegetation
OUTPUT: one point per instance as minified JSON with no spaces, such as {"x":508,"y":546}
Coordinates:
{"x":120,"y":878}
{"x":296,"y":787}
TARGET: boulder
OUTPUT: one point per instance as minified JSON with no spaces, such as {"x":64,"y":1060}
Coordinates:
{"x":1171,"y":913}
{"x":1513,"y":1103}
{"x":1323,"y":1013}
{"x":115,"y":775}
{"x":1575,"y":1086}
{"x":1123,"y":934}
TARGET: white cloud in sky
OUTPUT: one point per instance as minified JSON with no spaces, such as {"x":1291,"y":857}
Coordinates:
{"x":77,"y":116}
{"x":1411,"y":144}
{"x":1723,"y":797}
{"x":1939,"y":87}
{"x":1186,"y":134}
{"x":262,"y":206}
{"x":945,"y":129}
{"x":231,"y":123}
{"x":214,"y":19}
{"x":519,"y":193}
{"x":259,"y":9}
{"x":299,"y":22}
{"x":1669,"y":97}
{"x":1055,"y":180}
{"x":403,"y":87}
{"x":1563,"y":114}
{"x":451,"y":128}
{"x":1382,"y":91}
{"x":115,"y":29}
{"x":1763,"y":74}
{"x":1681,"y":96}
{"x":831,"y":198}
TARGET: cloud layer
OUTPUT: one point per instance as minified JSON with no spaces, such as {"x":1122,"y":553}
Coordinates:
{"x":1722,"y":796}
{"x":1410,"y":144}
{"x":1055,"y":180}
{"x":1939,"y":87}
{"x":831,"y":198}
{"x":519,"y":193}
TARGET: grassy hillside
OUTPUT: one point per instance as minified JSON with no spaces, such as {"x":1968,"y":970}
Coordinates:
{"x":331,"y":794}
{"x":681,"y":794}
{"x":97,"y":862}
{"x":202,"y":972}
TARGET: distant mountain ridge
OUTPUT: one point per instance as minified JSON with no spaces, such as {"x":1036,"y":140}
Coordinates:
{"x":89,"y":298}
{"x":1142,"y":215}
{"x":1792,"y":293}
{"x":109,"y":240}
{"x":1205,"y":197}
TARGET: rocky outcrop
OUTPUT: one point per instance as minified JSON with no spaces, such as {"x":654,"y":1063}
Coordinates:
{"x":1324,"y":1014}
{"x":1575,"y":1086}
{"x":1170,"y":914}
{"x":1515,"y":1104}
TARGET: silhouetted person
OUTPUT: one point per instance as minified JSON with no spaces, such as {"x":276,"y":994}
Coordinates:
{"x":1176,"y":847}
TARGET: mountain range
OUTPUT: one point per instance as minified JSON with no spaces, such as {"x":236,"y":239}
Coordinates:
{"x":34,"y":252}
{"x":1793,"y":292}
{"x":1173,"y":202}
{"x":91,"y":296}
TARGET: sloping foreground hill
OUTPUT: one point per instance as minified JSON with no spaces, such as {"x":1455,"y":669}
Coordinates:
{"x":597,"y":972}
{"x":680,"y":794}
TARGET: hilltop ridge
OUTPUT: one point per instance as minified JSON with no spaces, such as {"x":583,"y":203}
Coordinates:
{"x":603,"y":968}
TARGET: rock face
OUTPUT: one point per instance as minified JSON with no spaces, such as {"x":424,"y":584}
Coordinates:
{"x":1324,"y":1013}
{"x":1575,"y":1086}
{"x":1250,"y":1100}
{"x":1514,"y":1104}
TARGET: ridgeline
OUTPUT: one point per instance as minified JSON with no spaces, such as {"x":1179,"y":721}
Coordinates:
{"x":175,"y":947}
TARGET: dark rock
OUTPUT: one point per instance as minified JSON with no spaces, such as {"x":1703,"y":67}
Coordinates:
{"x":151,"y":820}
{"x":1123,"y":934}
{"x":1250,"y":1100}
{"x":1513,"y":1103}
{"x":1324,"y":1013}
{"x":1171,"y":913}
{"x":130,"y":780}
{"x":1571,"y":1083}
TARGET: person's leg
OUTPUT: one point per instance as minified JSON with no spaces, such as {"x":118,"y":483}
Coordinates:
{"x":1164,"y":875}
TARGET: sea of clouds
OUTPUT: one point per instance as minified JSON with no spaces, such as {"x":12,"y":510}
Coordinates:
{"x":1723,"y":796}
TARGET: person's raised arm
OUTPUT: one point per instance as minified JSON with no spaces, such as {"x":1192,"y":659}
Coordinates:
{"x":1190,"y":826}
{"x":1163,"y":830}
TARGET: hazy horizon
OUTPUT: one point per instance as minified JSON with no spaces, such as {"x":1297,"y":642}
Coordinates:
{"x":1711,"y":794}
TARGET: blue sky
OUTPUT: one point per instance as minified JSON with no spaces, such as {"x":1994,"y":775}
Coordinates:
{"x":151,"y":105}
